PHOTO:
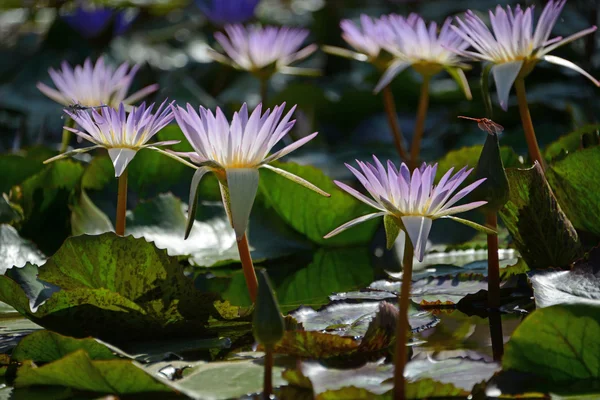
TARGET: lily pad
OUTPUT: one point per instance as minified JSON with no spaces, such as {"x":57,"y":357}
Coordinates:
{"x":311,"y":214}
{"x":114,"y":288}
{"x":572,"y":180}
{"x":541,"y":231}
{"x":44,"y":198}
{"x":559,"y":347}
{"x":46,"y":346}
{"x":217,"y":380}
{"x":580,"y":285}
{"x":18,"y":167}
{"x":572,"y":141}
{"x":16,"y":251}
{"x":78,"y":371}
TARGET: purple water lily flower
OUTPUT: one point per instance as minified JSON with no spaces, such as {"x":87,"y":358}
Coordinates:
{"x":365,"y":37}
{"x":222,"y":12}
{"x":122,"y":133}
{"x":91,"y":20}
{"x":512,"y":46}
{"x":424,"y":48}
{"x":235,"y":151}
{"x":262,"y":50}
{"x":414,"y":201}
{"x":95,"y":85}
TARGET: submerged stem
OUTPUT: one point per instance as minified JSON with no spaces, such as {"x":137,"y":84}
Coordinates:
{"x":268,"y":378}
{"x":402,"y":327}
{"x":532,"y":144}
{"x":66,"y":135}
{"x":491,"y":220}
{"x":390,"y":110}
{"x":248,"y":267}
{"x":121,"y":204}
{"x":415,"y":149}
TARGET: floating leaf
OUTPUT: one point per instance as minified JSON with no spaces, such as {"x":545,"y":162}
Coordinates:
{"x":47,"y":346}
{"x":114,"y":288}
{"x":18,"y":167}
{"x":558,"y":347}
{"x":87,"y":219}
{"x":573,"y":141}
{"x":16,"y":251}
{"x":78,"y":371}
{"x":541,"y":231}
{"x":44,"y":198}
{"x":217,"y":380}
{"x":574,"y":180}
{"x":311,"y":214}
{"x":580,"y":285}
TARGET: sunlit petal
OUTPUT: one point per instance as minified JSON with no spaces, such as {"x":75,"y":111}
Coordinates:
{"x":120,"y":159}
{"x":242,"y":184}
{"x":350,"y":224}
{"x":504,"y":76}
{"x":418,"y":229}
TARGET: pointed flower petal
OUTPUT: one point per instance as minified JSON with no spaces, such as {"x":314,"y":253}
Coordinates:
{"x":242,"y":184}
{"x":71,"y":153}
{"x":120,"y":159}
{"x":393,"y":70}
{"x":418,"y":229}
{"x":297,"y":179}
{"x":504,"y":76}
{"x":473,"y":225}
{"x":193,"y":202}
{"x":566,"y":63}
{"x":352,"y":223}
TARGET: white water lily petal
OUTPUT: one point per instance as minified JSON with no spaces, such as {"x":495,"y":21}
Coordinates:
{"x":417,"y":228}
{"x":472,"y":224}
{"x":297,"y":179}
{"x":393,"y":70}
{"x":359,"y":196}
{"x":339,"y":51}
{"x":288,"y":149}
{"x":350,"y":224}
{"x":504,"y":76}
{"x":120,"y":159}
{"x":461,"y":208}
{"x":242,"y":184}
{"x":566,"y":63}
{"x":193,"y":201}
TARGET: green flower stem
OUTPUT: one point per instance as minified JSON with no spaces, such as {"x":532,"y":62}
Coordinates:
{"x":66,"y":135}
{"x":248,"y":267}
{"x":491,"y":221}
{"x":415,"y":149}
{"x":268,"y":378}
{"x":532,"y":144}
{"x":121,"y":204}
{"x":390,"y":110}
{"x":495,"y":318}
{"x":264,"y":89}
{"x":402,"y":327}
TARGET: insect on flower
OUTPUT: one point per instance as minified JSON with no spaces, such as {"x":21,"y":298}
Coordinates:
{"x":486,"y":124}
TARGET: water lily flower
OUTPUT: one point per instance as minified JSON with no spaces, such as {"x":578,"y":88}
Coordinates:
{"x":91,"y":20}
{"x":234,"y":151}
{"x":427,"y":51}
{"x":122,"y":133}
{"x":413,"y":202}
{"x":94,"y":85}
{"x":512,"y":46}
{"x":223,"y":12}
{"x":263,"y":51}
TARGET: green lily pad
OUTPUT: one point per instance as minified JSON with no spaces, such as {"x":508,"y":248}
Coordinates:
{"x":312,"y":214}
{"x":46,"y":346}
{"x":216,"y":380}
{"x":559,"y":348}
{"x":16,"y":251}
{"x":44,"y":198}
{"x":580,"y":285}
{"x":572,"y":142}
{"x":78,"y":371}
{"x":540,"y":229}
{"x":113,"y":288}
{"x":18,"y":167}
{"x":573,"y":180}
{"x":463,"y":372}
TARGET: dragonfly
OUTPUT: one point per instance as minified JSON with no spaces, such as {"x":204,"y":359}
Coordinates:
{"x":486,"y":124}
{"x":79,"y":107}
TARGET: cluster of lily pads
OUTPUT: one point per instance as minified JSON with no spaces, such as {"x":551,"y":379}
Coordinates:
{"x":142,"y":283}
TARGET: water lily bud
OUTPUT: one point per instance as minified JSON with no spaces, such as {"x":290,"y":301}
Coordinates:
{"x":268,"y":323}
{"x":494,"y":189}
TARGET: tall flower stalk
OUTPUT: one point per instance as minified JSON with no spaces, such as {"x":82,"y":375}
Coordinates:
{"x":514,"y":48}
{"x":415,"y":44}
{"x":410,"y":203}
{"x":234,"y":151}
{"x":365,"y":38}
{"x":123,"y":134}
{"x":92,"y":86}
{"x":264,"y":51}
